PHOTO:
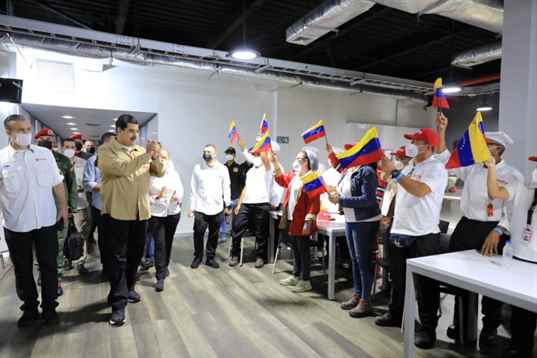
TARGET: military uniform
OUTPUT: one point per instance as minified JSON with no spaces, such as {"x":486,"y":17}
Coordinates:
{"x":69,"y":182}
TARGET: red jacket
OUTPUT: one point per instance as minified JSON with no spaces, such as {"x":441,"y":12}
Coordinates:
{"x":304,"y":206}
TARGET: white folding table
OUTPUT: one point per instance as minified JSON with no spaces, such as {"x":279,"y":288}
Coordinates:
{"x":333,"y":230}
{"x":507,"y":280}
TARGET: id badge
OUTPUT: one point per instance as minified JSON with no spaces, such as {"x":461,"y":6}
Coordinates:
{"x":490,"y":210}
{"x":527,"y":235}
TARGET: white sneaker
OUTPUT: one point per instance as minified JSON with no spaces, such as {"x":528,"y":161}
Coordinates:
{"x":302,"y":286}
{"x":289,"y":281}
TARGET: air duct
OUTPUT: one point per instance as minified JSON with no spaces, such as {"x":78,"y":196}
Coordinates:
{"x":478,"y":56}
{"x":325,"y":18}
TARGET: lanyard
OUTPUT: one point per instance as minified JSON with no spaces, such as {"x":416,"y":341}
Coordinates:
{"x":532,"y":208}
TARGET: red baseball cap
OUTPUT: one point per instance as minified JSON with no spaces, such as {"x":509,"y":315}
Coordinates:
{"x":533,"y":159}
{"x":426,"y":134}
{"x":76,"y":136}
{"x":44,"y":132}
{"x":400,"y":153}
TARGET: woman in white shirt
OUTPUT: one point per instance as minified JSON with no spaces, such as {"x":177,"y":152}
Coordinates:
{"x":165,"y":197}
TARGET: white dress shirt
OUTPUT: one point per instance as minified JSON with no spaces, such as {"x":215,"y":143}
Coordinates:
{"x":524,"y":235}
{"x":210,"y":188}
{"x":169,"y":184}
{"x":420,"y":216}
{"x":475,"y":198}
{"x":26,"y":181}
{"x":259,"y":181}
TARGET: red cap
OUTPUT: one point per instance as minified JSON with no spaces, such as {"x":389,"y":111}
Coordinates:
{"x":426,"y":134}
{"x":533,"y":159}
{"x":44,"y":132}
{"x":400,"y":153}
{"x":76,"y":136}
{"x":348,"y":146}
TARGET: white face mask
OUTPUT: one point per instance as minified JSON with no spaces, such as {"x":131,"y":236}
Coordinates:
{"x":23,"y":139}
{"x":229,"y":157}
{"x":296,"y":166}
{"x":411,"y":150}
{"x":69,"y":153}
{"x":534,"y":178}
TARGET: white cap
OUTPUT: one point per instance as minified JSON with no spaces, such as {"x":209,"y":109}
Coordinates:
{"x":500,"y":137}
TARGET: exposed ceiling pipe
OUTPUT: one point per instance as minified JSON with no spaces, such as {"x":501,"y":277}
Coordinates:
{"x":481,"y":80}
{"x":325,"y":18}
{"x":478,"y":56}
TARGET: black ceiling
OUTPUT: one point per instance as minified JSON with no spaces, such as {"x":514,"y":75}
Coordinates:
{"x":382,"y":40}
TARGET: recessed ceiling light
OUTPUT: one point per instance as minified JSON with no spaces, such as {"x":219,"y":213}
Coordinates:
{"x":67,"y":117}
{"x":244,"y":54}
{"x":112,"y":125}
{"x":484,"y":109}
{"x":70,"y":124}
{"x":115,"y":119}
{"x":74,"y":129}
{"x":450,"y":89}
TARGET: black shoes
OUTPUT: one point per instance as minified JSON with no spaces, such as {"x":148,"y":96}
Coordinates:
{"x":425,"y":338}
{"x":59,"y":292}
{"x":212,"y":263}
{"x":159,"y":286}
{"x":259,"y":263}
{"x":146,"y":265}
{"x":133,"y":296}
{"x":234,"y":261}
{"x":28,"y":318}
{"x":118,"y":318}
{"x":389,"y":320}
{"x":51,"y":317}
{"x":196,"y":263}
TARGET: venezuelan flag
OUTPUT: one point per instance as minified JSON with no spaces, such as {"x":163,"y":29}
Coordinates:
{"x":439,"y":98}
{"x":314,"y":133}
{"x":367,"y":150}
{"x":262,"y":145}
{"x":472,"y":147}
{"x":232,"y":133}
{"x":313,"y":184}
{"x":263,"y":126}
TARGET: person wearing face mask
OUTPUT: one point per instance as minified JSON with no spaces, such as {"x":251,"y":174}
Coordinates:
{"x":82,"y":214}
{"x":253,"y":206}
{"x":484,"y":219}
{"x":165,"y":196}
{"x":33,"y":204}
{"x":125,"y":168}
{"x":45,"y":139}
{"x":210,"y":200}
{"x":80,"y":146}
{"x":523,"y":229}
{"x":89,"y":147}
{"x":415,"y":232}
{"x":237,"y":175}
{"x":298,"y":215}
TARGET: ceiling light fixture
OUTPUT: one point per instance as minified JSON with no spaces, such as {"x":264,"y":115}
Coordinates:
{"x":67,"y":117}
{"x":450,"y":89}
{"x":484,"y":109}
{"x":74,"y":129}
{"x":244,"y":54}
{"x":70,"y":124}
{"x":115,"y":119}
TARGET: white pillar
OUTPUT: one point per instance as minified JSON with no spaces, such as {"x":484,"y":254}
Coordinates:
{"x":518,"y":95}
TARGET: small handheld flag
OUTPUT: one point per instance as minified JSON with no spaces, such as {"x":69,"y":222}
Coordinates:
{"x":262,"y":145}
{"x":313,"y":184}
{"x":368,"y":150}
{"x":232,"y":133}
{"x":264,"y":126}
{"x":472,"y":147}
{"x":439,"y":98}
{"x":314,"y":133}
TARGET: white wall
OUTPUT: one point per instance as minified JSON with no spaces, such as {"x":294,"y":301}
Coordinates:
{"x":194,"y":109}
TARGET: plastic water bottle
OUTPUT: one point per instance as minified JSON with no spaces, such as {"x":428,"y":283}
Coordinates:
{"x":508,"y":250}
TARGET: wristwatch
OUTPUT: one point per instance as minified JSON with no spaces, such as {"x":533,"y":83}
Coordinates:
{"x":499,"y":230}
{"x":396,"y":175}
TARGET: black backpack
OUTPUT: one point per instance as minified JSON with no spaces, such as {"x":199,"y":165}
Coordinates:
{"x":73,"y":247}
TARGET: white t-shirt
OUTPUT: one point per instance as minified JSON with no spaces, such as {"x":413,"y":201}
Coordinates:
{"x":475,"y":198}
{"x":258,"y":185}
{"x":523,"y":236}
{"x":26,"y":181}
{"x":420,"y":216}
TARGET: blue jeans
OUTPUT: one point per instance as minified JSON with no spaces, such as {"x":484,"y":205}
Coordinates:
{"x":224,"y":225}
{"x":149,"y":248}
{"x":360,"y":239}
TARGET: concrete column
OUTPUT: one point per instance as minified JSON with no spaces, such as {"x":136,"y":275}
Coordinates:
{"x":518,"y":96}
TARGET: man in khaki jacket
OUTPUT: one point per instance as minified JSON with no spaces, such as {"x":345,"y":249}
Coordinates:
{"x":125,"y":169}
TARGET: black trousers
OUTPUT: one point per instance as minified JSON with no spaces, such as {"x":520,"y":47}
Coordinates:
{"x":202,"y":222}
{"x":20,"y":245}
{"x":255,"y":217}
{"x":523,"y":324}
{"x":301,"y":250}
{"x":427,"y":290}
{"x":125,"y":241}
{"x":97,"y":220}
{"x":471,"y":234}
{"x":163,"y":231}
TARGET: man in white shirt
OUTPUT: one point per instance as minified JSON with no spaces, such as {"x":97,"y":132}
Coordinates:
{"x":484,"y":211}
{"x":32,"y":200}
{"x":210,"y":200}
{"x":415,"y":231}
{"x":252,"y":210}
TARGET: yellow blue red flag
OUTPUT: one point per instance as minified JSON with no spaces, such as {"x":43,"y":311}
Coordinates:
{"x":472,"y":147}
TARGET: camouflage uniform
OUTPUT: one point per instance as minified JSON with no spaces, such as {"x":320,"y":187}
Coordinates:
{"x":69,"y":182}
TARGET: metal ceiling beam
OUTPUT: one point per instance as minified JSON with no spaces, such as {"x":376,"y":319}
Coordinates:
{"x":121,"y":20}
{"x":60,"y":13}
{"x":236,"y":24}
